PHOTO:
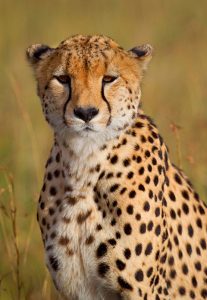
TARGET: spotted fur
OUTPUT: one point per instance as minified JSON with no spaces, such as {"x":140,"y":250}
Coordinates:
{"x":118,"y":219}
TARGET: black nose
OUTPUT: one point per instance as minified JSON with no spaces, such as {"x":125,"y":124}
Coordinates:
{"x":85,"y":114}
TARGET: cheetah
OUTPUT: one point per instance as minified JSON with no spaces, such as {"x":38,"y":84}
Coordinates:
{"x":118,"y":219}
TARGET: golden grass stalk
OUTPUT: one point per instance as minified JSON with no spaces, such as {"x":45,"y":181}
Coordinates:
{"x":176,"y":131}
{"x":26,"y":117}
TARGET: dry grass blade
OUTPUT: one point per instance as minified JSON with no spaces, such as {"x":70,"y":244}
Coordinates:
{"x":176,"y":131}
{"x":13,"y":219}
{"x":16,"y":90}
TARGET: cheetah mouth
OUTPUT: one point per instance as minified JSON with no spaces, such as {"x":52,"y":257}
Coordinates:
{"x":88,"y":128}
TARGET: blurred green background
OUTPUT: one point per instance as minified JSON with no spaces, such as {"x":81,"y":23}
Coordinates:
{"x":174,"y":94}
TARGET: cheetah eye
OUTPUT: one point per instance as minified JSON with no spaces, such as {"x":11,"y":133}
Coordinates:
{"x":63,"y":79}
{"x":109,"y":79}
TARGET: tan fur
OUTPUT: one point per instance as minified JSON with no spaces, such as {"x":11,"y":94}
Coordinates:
{"x":118,"y":220}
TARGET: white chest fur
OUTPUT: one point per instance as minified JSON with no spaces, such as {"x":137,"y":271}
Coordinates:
{"x":72,"y":252}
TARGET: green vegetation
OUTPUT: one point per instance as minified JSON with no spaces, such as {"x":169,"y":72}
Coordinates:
{"x":174,"y":93}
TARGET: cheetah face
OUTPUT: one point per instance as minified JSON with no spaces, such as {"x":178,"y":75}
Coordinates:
{"x":89,"y":86}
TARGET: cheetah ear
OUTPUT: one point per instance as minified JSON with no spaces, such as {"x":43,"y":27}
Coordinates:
{"x":143,"y":53}
{"x":37,"y":52}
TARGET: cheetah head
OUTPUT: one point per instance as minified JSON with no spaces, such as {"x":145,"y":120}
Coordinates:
{"x":89,"y":86}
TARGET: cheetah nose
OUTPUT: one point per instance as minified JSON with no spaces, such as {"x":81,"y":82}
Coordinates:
{"x":85,"y":114}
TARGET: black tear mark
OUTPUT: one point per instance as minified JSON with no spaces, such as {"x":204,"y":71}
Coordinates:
{"x":66,"y":103}
{"x":108,"y":105}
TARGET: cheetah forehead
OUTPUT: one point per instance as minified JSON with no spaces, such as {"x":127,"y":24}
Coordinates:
{"x":81,"y":54}
{"x":90,"y":51}
{"x":87,"y":42}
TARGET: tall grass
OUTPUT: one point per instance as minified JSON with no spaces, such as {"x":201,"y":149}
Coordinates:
{"x":174,"y":93}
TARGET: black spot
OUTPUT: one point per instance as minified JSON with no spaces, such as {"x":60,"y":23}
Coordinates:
{"x":142,"y":228}
{"x":138,"y":217}
{"x":127,"y":253}
{"x":185,"y":269}
{"x":199,"y":223}
{"x":156,"y":180}
{"x":118,"y":235}
{"x":171,"y":260}
{"x":130,"y":175}
{"x":126,"y":162}
{"x":149,"y":272}
{"x":57,"y":173}
{"x":114,"y":187}
{"x":49,"y":176}
{"x":150,"y":226}
{"x":42,"y":205}
{"x":157,"y":230}
{"x":150,"y":139}
{"x":136,"y":147}
{"x":119,"y":211}
{"x":139,"y":125}
{"x":114,"y":159}
{"x":176,"y":240}
{"x":120,"y":264}
{"x":204,"y":293}
{"x":203,"y":244}
{"x":143,"y":139}
{"x":201,"y":210}
{"x":190,"y":230}
{"x":194,"y":281}
{"x":172,"y":196}
{"x":113,"y":222}
{"x":154,"y":161}
{"x":177,"y":178}
{"x":101,"y":250}
{"x":149,"y":167}
{"x":139,"y":159}
{"x":141,"y":171}
{"x":185,"y":194}
{"x":141,"y":187}
{"x":124,"y":284}
{"x":150,"y":194}
{"x":127,"y":229}
{"x":138,"y":249}
{"x":180,"y":254}
{"x":54,"y":263}
{"x":148,"y":249}
{"x":180,"y":229}
{"x":112,"y":242}
{"x":123,"y":190}
{"x":139,"y":276}
{"x":130,"y":209}
{"x":182,"y":291}
{"x":192,"y":294}
{"x":185,"y":208}
{"x":58,"y":157}
{"x":132,"y":194}
{"x":51,"y":211}
{"x":157,"y":212}
{"x":146,"y":206}
{"x":101,"y":175}
{"x":103,"y":268}
{"x":53,"y":191}
{"x":198,"y":266}
{"x":163,"y":258}
{"x":189,"y":249}
{"x":172,"y":214}
{"x":124,"y":141}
